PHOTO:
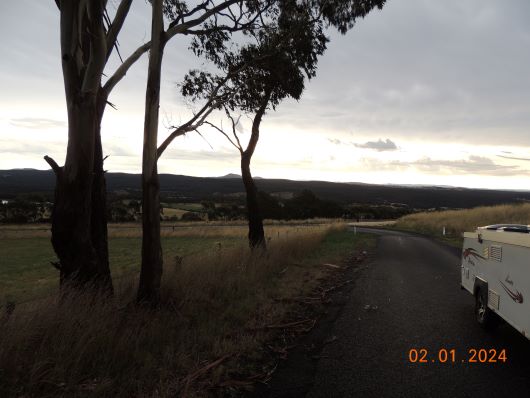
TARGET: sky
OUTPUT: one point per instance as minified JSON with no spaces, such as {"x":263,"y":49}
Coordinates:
{"x":423,"y":92}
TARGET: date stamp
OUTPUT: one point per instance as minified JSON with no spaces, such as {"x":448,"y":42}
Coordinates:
{"x":444,"y":355}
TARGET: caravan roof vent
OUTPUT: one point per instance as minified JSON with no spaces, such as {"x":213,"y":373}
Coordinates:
{"x":524,"y":229}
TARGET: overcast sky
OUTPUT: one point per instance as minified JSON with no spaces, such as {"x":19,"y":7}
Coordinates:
{"x":421,"y":92}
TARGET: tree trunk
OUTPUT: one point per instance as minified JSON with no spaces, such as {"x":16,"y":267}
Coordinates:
{"x":71,"y":218}
{"x":83,"y":55}
{"x":256,"y":234}
{"x":98,"y":223}
{"x":151,"y":271}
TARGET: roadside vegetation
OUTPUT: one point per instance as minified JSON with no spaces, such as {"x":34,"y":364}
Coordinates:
{"x":25,"y":266}
{"x":457,"y":222}
{"x":218,"y":306}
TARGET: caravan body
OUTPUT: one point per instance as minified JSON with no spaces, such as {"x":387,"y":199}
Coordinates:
{"x":496,"y":270}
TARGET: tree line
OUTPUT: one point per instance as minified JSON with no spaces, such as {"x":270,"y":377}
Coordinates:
{"x":261,"y":52}
{"x":304,"y":205}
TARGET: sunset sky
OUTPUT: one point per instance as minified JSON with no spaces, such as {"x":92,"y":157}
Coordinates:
{"x":421,"y":92}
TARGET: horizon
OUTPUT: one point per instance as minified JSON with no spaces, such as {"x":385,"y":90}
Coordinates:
{"x":234,"y":175}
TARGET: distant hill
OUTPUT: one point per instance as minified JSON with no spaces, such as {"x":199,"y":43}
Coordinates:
{"x":179,"y":187}
{"x":231,"y":175}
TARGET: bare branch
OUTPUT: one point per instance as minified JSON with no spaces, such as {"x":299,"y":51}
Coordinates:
{"x":205,"y":140}
{"x":220,"y":130}
{"x":117,"y":24}
{"x":234,"y":125}
{"x":193,"y":124}
{"x":124,"y":67}
{"x":213,"y":101}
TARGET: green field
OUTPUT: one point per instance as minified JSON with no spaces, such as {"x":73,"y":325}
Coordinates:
{"x":26,"y":272}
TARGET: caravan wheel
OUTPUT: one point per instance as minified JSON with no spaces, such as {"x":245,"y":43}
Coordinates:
{"x":485,"y":316}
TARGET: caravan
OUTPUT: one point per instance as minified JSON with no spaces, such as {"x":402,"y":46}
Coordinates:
{"x":496,"y":271}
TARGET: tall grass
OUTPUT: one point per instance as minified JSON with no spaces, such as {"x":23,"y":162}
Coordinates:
{"x":213,"y":304}
{"x":170,"y":229}
{"x":458,"y":221}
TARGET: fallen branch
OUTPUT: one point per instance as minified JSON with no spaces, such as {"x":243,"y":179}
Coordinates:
{"x":326,"y":291}
{"x":282,"y":325}
{"x":289,"y":325}
{"x":333,"y":266}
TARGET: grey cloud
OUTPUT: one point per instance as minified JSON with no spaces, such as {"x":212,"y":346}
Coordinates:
{"x":514,"y":157}
{"x":474,"y":165}
{"x":435,"y":70}
{"x":380,"y":145}
{"x":37,"y":123}
{"x":335,"y":141}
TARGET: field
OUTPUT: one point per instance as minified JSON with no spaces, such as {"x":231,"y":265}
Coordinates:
{"x":220,"y":305}
{"x":26,"y":272}
{"x":458,"y":221}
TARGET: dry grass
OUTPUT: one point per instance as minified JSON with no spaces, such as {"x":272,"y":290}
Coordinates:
{"x":169,"y":229}
{"x":214,"y":305}
{"x":458,"y":221}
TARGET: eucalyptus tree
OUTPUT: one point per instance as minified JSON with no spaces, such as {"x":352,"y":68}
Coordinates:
{"x":219,"y":20}
{"x":79,"y":230}
{"x":282,"y":60}
{"x":284,"y":56}
{"x":88,"y":37}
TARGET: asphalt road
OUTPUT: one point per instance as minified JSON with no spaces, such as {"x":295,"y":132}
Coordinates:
{"x":409,"y":297}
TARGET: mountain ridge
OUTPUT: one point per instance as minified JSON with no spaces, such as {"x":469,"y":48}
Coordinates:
{"x":180,"y":187}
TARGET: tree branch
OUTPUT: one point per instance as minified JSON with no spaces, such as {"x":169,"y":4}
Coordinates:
{"x":175,"y":29}
{"x":254,"y":137}
{"x":220,"y":130}
{"x":53,"y":164}
{"x":117,"y":24}
{"x":193,"y":124}
{"x":124,"y":67}
{"x":199,"y":118}
{"x":234,"y":132}
{"x":98,"y":47}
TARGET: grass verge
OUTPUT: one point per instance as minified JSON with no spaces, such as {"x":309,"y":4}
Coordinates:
{"x":215,"y":313}
{"x":457,"y":222}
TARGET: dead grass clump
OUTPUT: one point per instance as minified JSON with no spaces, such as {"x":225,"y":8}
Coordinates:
{"x":458,"y":221}
{"x":213,"y":303}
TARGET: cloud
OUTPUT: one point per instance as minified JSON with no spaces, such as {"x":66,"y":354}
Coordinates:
{"x":513,"y":157}
{"x":31,"y":148}
{"x":474,"y":165}
{"x":380,"y":145}
{"x":37,"y":123}
{"x":335,"y":141}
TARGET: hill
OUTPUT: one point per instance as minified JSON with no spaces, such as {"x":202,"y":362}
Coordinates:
{"x":186,"y":188}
